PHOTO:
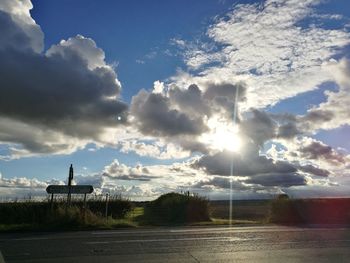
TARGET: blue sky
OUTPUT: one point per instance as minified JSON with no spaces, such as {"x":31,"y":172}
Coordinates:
{"x":128,"y":31}
{"x":289,"y":60}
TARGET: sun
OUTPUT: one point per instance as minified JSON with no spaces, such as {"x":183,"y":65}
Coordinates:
{"x":223,"y":138}
{"x":226,"y":140}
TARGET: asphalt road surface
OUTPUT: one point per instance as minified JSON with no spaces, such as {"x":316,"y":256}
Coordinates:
{"x":185,"y":244}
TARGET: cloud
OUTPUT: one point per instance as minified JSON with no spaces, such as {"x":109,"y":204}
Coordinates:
{"x":314,"y":170}
{"x":316,"y":150}
{"x":185,"y":115}
{"x":334,"y":112}
{"x":219,"y":182}
{"x":220,"y":164}
{"x":154,"y":116}
{"x":68,"y":91}
{"x":96,"y":180}
{"x":266,"y":46}
{"x":23,"y":187}
{"x":313,"y":157}
{"x":119,"y":171}
{"x":154,"y":149}
{"x":278,"y":179}
{"x":24,"y":140}
{"x":21,"y":182}
{"x":18,"y":28}
{"x":80,"y":46}
{"x":59,"y":92}
{"x":260,"y":127}
{"x":190,"y":100}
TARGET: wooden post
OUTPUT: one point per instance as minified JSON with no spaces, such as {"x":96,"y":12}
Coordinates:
{"x":106,"y":213}
{"x":70,"y":179}
{"x":84,"y":207}
{"x":51,"y":203}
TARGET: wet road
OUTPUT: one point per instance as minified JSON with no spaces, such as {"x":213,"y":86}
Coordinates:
{"x":195,"y":244}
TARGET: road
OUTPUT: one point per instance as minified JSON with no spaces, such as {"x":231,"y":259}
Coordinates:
{"x":186,"y":244}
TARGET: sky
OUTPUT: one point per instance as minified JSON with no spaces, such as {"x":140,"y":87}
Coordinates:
{"x":150,"y":97}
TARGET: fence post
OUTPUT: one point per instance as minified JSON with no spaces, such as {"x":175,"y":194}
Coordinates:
{"x":51,"y":203}
{"x":84,"y":207}
{"x":106,"y":212}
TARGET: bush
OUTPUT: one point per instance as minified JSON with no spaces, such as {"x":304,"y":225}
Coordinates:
{"x":177,"y":208}
{"x":284,"y":211}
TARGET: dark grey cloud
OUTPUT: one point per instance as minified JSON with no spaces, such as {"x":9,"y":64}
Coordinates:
{"x":18,"y":30}
{"x":155,"y":116}
{"x":189,"y":143}
{"x":190,"y":100}
{"x":314,"y":170}
{"x":220,"y":164}
{"x":288,"y":131}
{"x":57,"y":93}
{"x":225,"y":90}
{"x":220,"y":182}
{"x":317,"y":115}
{"x":67,"y":92}
{"x":12,"y":36}
{"x":260,"y":127}
{"x":222,"y":96}
{"x":319,"y":151}
{"x":277,"y":179}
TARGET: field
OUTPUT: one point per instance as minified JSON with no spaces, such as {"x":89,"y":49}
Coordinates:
{"x":249,"y":211}
{"x":311,"y":211}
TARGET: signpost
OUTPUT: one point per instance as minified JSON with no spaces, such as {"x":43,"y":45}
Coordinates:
{"x":65,"y":189}
{"x":69,"y":189}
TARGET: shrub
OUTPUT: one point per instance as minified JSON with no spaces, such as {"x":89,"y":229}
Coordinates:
{"x":177,"y":208}
{"x":284,"y":211}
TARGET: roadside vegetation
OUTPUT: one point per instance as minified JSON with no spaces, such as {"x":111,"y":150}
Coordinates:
{"x":169,"y":210}
{"x":34,"y":215}
{"x":175,"y":208}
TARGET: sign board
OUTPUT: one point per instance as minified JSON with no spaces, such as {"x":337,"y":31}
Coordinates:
{"x":74,"y":189}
